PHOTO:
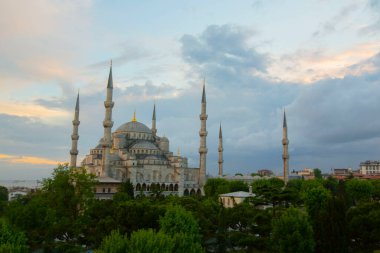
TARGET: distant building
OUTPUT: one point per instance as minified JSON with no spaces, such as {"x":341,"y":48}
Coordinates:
{"x":232,"y":199}
{"x":248,"y":179}
{"x":370,"y":168}
{"x":341,"y":173}
{"x":265,"y":172}
{"x":306,"y":173}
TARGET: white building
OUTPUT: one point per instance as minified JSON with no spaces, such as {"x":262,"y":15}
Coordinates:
{"x":370,"y":168}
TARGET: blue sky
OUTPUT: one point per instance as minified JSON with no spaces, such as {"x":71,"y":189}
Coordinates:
{"x":319,"y":59}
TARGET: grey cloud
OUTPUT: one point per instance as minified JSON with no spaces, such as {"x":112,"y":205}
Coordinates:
{"x":31,"y":137}
{"x":223,"y":49}
{"x":330,"y":122}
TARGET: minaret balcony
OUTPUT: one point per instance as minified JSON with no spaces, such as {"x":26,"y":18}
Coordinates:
{"x":203,"y":150}
{"x":107,"y":123}
{"x":203,"y":116}
{"x":203,"y":133}
{"x":285,"y":141}
{"x":74,"y":137}
{"x":76,"y":122}
{"x":285,"y":156}
{"x":108,"y":104}
{"x":74,"y":152}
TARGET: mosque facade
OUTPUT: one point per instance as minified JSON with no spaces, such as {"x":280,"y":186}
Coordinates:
{"x":136,"y":153}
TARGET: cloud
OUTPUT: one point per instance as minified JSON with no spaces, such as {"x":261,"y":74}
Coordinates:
{"x":223,"y":50}
{"x":45,"y":114}
{"x":372,"y":28}
{"x":310,"y":66}
{"x":27,"y":160}
{"x":330,"y":121}
{"x":331,"y":25}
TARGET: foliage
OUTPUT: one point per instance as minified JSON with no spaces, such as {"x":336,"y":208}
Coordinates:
{"x":148,"y":241}
{"x":125,"y":191}
{"x":268,"y":192}
{"x":114,"y":243}
{"x":376,"y":189}
{"x":216,"y":186}
{"x":317,"y":173}
{"x":178,"y":220}
{"x":11,"y":240}
{"x":247,"y":227}
{"x":292,"y":233}
{"x":3,"y":198}
{"x":64,"y":215}
{"x":3,"y":193}
{"x":54,"y":217}
{"x":359,"y":190}
{"x":364,"y":227}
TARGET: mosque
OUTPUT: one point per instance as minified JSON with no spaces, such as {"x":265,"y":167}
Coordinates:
{"x":136,"y":153}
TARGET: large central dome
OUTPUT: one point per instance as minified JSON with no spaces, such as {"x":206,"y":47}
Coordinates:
{"x":135,"y":127}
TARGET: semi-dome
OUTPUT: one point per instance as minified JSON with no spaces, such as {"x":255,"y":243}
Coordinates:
{"x":144,"y":145}
{"x":134,"y":126}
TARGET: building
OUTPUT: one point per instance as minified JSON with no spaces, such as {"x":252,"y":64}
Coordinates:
{"x":232,"y":199}
{"x":306,"y":173}
{"x":135,"y":152}
{"x":370,"y":168}
{"x":265,"y":172}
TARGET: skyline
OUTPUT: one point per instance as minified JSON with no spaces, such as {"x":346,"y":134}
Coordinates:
{"x":258,"y":57}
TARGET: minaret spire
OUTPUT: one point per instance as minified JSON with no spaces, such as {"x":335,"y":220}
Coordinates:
{"x":220,"y":151}
{"x":154,"y":130}
{"x":75,"y":136}
{"x":285,"y":154}
{"x":203,"y":135}
{"x":107,"y":124}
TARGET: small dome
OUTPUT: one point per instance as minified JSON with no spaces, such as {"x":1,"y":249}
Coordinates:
{"x":164,"y":139}
{"x":134,"y":126}
{"x":144,"y":145}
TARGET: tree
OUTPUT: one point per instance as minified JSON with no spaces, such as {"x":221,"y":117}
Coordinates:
{"x":3,"y":198}
{"x":317,"y":173}
{"x":3,"y":193}
{"x":268,"y":191}
{"x":141,"y":241}
{"x":376,"y":189}
{"x":178,"y":220}
{"x":54,"y":217}
{"x":247,"y":227}
{"x":237,"y":185}
{"x":359,"y":190}
{"x":114,"y":243}
{"x":148,"y":241}
{"x":125,"y":191}
{"x":11,"y":240}
{"x":216,"y":186}
{"x":292,"y":233}
{"x":183,"y":228}
{"x":364,"y":227}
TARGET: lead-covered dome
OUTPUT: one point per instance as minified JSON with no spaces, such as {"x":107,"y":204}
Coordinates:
{"x":134,"y":126}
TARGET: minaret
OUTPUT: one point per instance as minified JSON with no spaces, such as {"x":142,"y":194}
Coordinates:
{"x":220,"y":151}
{"x":107,"y":124}
{"x":285,"y":154}
{"x":75,"y":136}
{"x":154,"y":130}
{"x":203,"y":135}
